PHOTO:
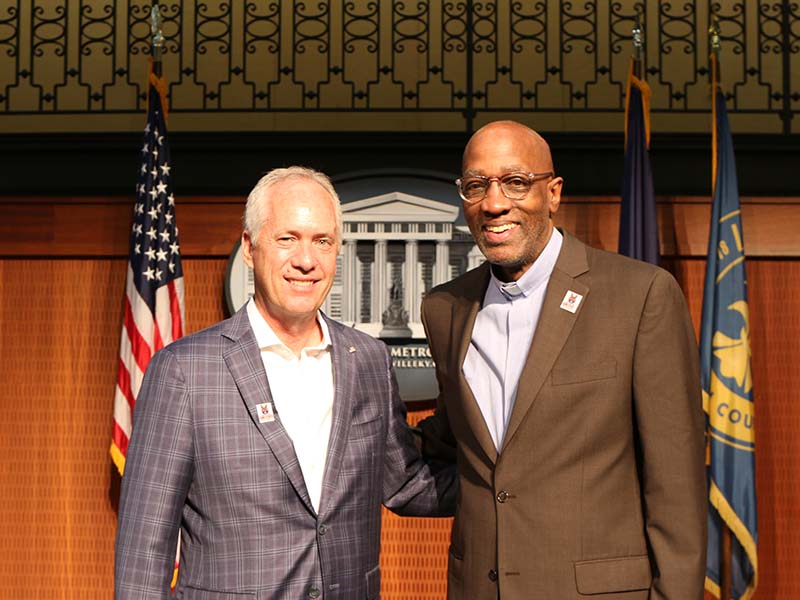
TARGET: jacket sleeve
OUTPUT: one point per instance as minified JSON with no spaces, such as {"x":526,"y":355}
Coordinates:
{"x":438,"y":442}
{"x":413,"y":486}
{"x":670,"y":429}
{"x":158,"y":472}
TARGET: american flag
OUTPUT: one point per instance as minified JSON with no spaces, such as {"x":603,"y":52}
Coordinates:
{"x":154,"y":305}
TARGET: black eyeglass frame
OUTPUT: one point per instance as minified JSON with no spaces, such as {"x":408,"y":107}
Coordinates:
{"x":532,"y":177}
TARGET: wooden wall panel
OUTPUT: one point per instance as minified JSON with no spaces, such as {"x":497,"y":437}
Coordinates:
{"x":45,"y":227}
{"x":59,"y":330}
{"x":57,"y":365}
{"x":775,"y":330}
{"x":210,"y":225}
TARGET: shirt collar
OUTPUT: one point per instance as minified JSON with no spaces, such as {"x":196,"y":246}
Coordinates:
{"x":266,"y":338}
{"x":535,"y":276}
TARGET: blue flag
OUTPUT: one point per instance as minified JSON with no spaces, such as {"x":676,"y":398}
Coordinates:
{"x":638,"y":221}
{"x":726,"y":374}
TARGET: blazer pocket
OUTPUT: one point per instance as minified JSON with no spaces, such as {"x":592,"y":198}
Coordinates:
{"x":192,"y":593}
{"x":581,"y":373}
{"x":373,"y":581}
{"x":609,"y":575}
{"x":366,"y":429}
{"x":455,"y":567}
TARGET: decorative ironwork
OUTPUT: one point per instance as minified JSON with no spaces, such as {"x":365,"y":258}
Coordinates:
{"x":623,"y":26}
{"x":792,"y":19}
{"x":449,"y":61}
{"x":579,"y":25}
{"x":361,"y":27}
{"x":732,"y":22}
{"x":484,"y":27}
{"x":578,"y":43}
{"x":9,"y":46}
{"x":528,"y":27}
{"x":528,"y":39}
{"x":8,"y":28}
{"x":454,"y":30}
{"x":410,"y":25}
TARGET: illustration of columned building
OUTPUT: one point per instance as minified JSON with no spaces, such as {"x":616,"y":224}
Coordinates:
{"x":396,"y":247}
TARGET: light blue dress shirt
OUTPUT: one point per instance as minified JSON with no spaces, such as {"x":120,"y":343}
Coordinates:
{"x":502,"y":336}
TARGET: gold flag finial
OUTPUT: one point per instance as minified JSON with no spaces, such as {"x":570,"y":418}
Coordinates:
{"x":638,"y":36}
{"x":155,"y":29}
{"x":713,"y":33}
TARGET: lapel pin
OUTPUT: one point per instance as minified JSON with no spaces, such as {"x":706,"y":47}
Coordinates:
{"x":571,"y":301}
{"x":351,"y":349}
{"x":265,"y":412}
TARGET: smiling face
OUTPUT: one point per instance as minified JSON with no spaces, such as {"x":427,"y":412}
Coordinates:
{"x":511,"y":233}
{"x":294,"y":257}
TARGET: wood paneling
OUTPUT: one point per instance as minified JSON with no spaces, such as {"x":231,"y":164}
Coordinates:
{"x":209,"y":225}
{"x":769,"y":224}
{"x":43,"y":227}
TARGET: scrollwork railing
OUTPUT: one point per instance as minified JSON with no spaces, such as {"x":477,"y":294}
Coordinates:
{"x":381,"y":63}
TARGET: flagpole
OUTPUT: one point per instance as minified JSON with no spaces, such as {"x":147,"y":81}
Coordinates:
{"x":725,"y":537}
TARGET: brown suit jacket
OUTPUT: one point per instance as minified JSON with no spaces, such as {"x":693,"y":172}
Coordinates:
{"x":599,"y":489}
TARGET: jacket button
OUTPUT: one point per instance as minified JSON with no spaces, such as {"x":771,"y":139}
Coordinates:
{"x":492,"y":575}
{"x":313,"y":592}
{"x":502,"y":496}
{"x":322,"y":529}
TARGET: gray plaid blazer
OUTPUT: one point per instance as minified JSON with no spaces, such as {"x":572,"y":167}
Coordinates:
{"x":200,"y":461}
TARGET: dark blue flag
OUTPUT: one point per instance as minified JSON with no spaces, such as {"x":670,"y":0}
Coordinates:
{"x":726,"y":375}
{"x":638,"y":222}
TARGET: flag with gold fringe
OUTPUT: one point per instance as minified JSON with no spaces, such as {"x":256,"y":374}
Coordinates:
{"x":638,"y":220}
{"x":726,"y":374}
{"x":154,"y":304}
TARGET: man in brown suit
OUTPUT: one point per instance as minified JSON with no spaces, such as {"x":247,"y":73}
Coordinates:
{"x":569,"y":385}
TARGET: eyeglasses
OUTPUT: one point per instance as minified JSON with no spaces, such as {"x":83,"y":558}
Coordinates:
{"x":515,"y":186}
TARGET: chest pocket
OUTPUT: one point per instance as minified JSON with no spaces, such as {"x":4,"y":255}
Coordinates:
{"x":586,"y":372}
{"x":367,"y":428}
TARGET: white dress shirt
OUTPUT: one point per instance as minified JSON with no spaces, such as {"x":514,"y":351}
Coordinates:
{"x":502,"y":336}
{"x":302,"y":392}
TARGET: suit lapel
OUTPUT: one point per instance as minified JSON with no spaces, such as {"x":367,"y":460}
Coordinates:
{"x":342,"y":358}
{"x":465,"y":310}
{"x":554,"y":327}
{"x":243,"y":359}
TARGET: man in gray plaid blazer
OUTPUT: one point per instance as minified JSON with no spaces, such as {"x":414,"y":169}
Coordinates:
{"x":271,"y":439}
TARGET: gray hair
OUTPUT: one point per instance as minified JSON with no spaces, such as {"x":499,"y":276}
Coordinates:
{"x":254,"y":211}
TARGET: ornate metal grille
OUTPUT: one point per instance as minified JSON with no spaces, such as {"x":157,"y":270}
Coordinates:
{"x":393,"y":64}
